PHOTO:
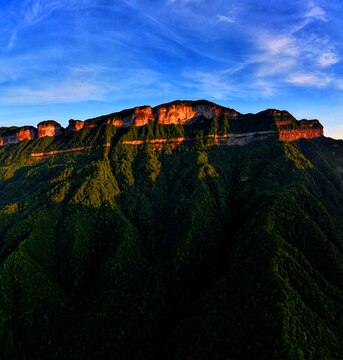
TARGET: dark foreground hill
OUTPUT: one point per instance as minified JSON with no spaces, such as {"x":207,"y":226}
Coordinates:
{"x":188,"y":252}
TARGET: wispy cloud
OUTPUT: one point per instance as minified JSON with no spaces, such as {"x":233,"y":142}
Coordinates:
{"x":37,"y":10}
{"x":219,"y":86}
{"x":328,"y":58}
{"x":316,"y":12}
{"x":294,"y":51}
{"x":168,"y":32}
{"x":64,"y":92}
{"x":88,"y":83}
{"x":225,"y":18}
{"x":210,"y":85}
{"x":310,"y":79}
{"x":229,"y":14}
{"x":32,"y":12}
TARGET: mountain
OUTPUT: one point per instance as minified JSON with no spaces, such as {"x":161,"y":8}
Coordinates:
{"x":188,"y":113}
{"x":140,"y":235}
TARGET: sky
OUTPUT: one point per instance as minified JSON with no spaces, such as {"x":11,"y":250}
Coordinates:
{"x":62,"y":59}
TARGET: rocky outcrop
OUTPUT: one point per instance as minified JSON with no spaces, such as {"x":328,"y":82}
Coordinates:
{"x":184,"y":113}
{"x":139,"y":116}
{"x":29,"y":133}
{"x":290,"y":135}
{"x":287,"y":126}
{"x":75,"y":125}
{"x":303,"y":129}
{"x":49,"y":128}
{"x":175,"y":114}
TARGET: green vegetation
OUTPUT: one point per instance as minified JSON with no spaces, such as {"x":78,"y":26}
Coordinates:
{"x":125,"y":252}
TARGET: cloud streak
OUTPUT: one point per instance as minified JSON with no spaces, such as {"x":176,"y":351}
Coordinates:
{"x":224,"y":18}
{"x":310,"y":79}
{"x":316,"y":12}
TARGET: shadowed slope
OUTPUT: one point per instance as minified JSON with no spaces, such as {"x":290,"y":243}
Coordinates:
{"x":194,"y":252}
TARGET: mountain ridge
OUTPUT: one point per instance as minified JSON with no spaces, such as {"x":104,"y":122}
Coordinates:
{"x":179,"y":112}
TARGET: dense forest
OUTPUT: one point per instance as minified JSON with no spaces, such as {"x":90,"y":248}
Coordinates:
{"x":193,"y":252}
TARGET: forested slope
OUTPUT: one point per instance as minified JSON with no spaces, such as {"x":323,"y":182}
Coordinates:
{"x":197,"y":252}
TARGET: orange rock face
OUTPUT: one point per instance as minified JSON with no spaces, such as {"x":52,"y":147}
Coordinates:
{"x":139,"y":116}
{"x":175,"y":114}
{"x":49,"y":129}
{"x":289,"y":135}
{"x":29,"y":134}
{"x":186,"y":114}
{"x":308,"y":129}
{"x":284,"y":122}
{"x":14,"y":135}
{"x":75,"y":125}
{"x":117,"y":122}
{"x":142,"y":116}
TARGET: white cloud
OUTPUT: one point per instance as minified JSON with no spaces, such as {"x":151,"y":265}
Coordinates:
{"x":277,"y":56}
{"x":305,"y":58}
{"x":281,"y":45}
{"x":328,"y":58}
{"x":310,"y":79}
{"x":316,"y":12}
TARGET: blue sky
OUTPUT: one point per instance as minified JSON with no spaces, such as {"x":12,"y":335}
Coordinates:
{"x":62,"y":59}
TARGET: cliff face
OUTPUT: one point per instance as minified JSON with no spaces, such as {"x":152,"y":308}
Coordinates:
{"x":290,"y":135}
{"x":289,"y":128}
{"x":49,"y":128}
{"x":13,"y":135}
{"x":303,"y":129}
{"x":179,"y":113}
{"x":139,"y":116}
{"x":184,"y":114}
{"x":174,"y":114}
{"x":75,"y":125}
